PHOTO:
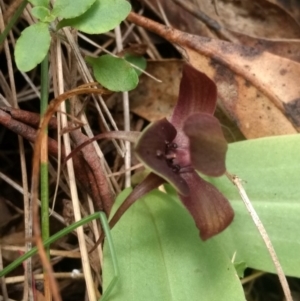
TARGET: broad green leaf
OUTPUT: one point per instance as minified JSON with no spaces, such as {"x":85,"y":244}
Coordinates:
{"x":71,"y":8}
{"x":42,"y":13}
{"x":114,"y":73}
{"x":161,"y":257}
{"x":138,"y":61}
{"x":270,"y":169}
{"x":32,"y":46}
{"x":44,"y":3}
{"x":103,"y":16}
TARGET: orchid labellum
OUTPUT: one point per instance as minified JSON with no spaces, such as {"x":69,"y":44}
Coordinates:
{"x":175,"y":149}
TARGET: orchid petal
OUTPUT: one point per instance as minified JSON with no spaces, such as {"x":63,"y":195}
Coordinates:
{"x":208,"y":146}
{"x":151,"y":182}
{"x":209,"y":208}
{"x":151,"y":144}
{"x":197,"y":93}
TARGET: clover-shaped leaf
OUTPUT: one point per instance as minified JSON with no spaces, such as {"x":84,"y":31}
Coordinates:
{"x":101,"y":17}
{"x":32,"y":46}
{"x":114,"y":73}
{"x":71,"y":8}
{"x":44,"y":3}
{"x":42,"y":13}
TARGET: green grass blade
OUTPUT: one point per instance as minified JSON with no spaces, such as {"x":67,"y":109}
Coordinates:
{"x":12,"y":21}
{"x":48,"y":242}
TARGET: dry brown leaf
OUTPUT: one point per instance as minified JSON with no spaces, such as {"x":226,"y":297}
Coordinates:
{"x":256,"y":18}
{"x":14,"y":239}
{"x":259,"y":90}
{"x":5,"y":215}
{"x":259,"y":23}
{"x":154,"y":101}
{"x":292,"y":7}
{"x":182,"y":19}
{"x":288,"y":48}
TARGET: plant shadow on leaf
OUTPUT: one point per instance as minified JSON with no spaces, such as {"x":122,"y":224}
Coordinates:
{"x":111,"y":13}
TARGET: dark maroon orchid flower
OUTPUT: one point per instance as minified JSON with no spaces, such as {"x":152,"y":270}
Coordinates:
{"x":191,"y":140}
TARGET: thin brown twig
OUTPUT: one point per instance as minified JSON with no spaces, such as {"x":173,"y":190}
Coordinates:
{"x":252,"y":277}
{"x":126,"y":114}
{"x":13,"y":119}
{"x":11,"y":10}
{"x":262,"y":231}
{"x":71,"y":173}
{"x":28,"y":285}
{"x":72,"y":275}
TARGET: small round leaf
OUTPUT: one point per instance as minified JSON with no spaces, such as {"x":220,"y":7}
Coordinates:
{"x":138,"y":61}
{"x":32,"y":46}
{"x":113,"y":73}
{"x":71,"y":8}
{"x":103,"y":16}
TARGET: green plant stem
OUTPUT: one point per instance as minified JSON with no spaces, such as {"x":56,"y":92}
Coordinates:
{"x":44,"y":155}
{"x":12,"y":21}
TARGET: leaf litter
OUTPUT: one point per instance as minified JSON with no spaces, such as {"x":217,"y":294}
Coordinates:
{"x":256,"y":70}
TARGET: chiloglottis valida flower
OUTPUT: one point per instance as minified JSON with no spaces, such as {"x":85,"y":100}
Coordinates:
{"x":174,"y":149}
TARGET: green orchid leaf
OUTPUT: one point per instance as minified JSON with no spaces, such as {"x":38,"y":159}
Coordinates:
{"x":44,"y":3}
{"x":32,"y":46}
{"x":115,"y":74}
{"x":71,"y":8}
{"x":240,"y":268}
{"x":138,"y":61}
{"x":157,"y":226}
{"x":161,"y":257}
{"x":270,"y":169}
{"x":42,"y":13}
{"x":103,"y":16}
